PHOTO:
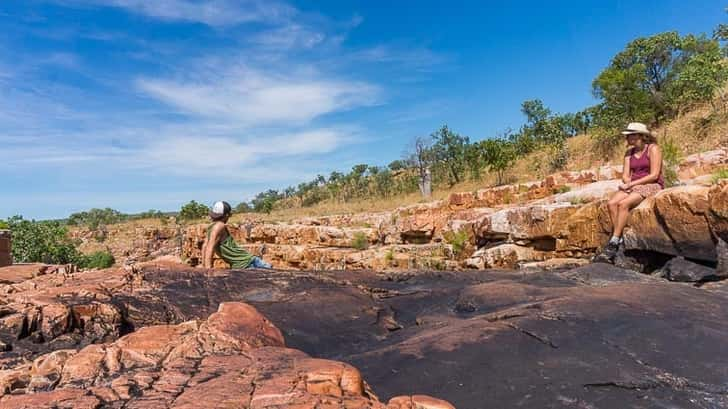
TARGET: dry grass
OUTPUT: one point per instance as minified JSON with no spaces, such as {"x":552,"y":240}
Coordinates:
{"x":703,"y":128}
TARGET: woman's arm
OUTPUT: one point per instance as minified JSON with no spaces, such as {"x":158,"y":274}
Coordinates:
{"x":208,"y":249}
{"x":655,"y":168}
{"x":626,"y":171}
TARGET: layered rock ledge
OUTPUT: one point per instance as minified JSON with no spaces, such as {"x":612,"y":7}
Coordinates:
{"x":561,"y":218}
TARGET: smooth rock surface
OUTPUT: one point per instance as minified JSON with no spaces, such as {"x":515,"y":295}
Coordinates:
{"x":597,"y":335}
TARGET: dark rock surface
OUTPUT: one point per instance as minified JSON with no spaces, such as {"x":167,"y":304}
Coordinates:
{"x":593,"y":337}
{"x":679,"y":269}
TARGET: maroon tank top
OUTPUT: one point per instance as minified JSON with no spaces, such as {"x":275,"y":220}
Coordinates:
{"x":640,"y":167}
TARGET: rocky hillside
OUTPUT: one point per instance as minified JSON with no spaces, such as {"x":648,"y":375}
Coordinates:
{"x":560,"y":220}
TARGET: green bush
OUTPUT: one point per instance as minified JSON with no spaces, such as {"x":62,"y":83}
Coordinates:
{"x":4,"y":225}
{"x":719,"y":175}
{"x":99,"y":259}
{"x":41,"y":242}
{"x":193,"y":210}
{"x":96,"y":217}
{"x":150,"y":214}
{"x":389,"y":257}
{"x":458,"y":240}
{"x":670,"y":160}
{"x":360,"y":241}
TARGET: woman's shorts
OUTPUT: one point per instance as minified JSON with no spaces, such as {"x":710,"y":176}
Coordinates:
{"x":647,"y":190}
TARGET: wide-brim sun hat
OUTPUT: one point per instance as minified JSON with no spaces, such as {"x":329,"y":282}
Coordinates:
{"x":636,"y":128}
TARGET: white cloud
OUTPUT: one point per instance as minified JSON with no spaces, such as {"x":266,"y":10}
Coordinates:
{"x":209,"y":12}
{"x":228,"y":158}
{"x":291,"y":36}
{"x":252,"y":97}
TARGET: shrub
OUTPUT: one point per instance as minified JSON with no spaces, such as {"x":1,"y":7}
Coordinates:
{"x":96,"y":217}
{"x":719,"y":175}
{"x":99,"y":259}
{"x":360,"y":241}
{"x":41,"y":242}
{"x":150,"y":214}
{"x":578,"y":200}
{"x":458,"y":240}
{"x":670,"y":160}
{"x":561,"y":189}
{"x":558,"y":155}
{"x":242,"y":207}
{"x":4,"y":225}
{"x":389,"y":256}
{"x":193,"y":210}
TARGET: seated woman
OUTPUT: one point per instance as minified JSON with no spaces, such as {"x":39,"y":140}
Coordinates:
{"x":221,"y":242}
{"x":641,"y":177}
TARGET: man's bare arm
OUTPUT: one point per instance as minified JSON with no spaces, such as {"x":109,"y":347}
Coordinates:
{"x":208,"y":249}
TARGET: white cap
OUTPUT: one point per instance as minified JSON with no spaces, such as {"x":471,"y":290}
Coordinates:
{"x":220,"y":208}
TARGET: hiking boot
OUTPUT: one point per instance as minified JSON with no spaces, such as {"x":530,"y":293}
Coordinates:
{"x":608,"y":253}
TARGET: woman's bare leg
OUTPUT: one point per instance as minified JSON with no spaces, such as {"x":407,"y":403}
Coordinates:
{"x":623,"y":208}
{"x":613,"y":205}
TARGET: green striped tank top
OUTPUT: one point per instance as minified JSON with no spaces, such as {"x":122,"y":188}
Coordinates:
{"x":229,"y":250}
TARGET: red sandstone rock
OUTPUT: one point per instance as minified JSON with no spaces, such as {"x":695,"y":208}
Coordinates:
{"x":675,"y":221}
{"x":234,"y":359}
{"x":718,"y":213}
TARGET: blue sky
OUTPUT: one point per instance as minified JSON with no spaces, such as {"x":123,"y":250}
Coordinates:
{"x":137,"y":105}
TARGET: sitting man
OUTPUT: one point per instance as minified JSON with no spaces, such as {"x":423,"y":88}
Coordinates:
{"x":221,"y":242}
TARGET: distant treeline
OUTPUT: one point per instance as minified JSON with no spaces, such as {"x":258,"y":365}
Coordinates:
{"x":652,"y":80}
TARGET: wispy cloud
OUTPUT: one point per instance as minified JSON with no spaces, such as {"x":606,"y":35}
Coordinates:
{"x":266,"y":105}
{"x":210,"y":12}
{"x":291,"y":36}
{"x":252,"y":97}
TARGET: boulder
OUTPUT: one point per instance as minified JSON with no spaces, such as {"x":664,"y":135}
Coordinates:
{"x":570,"y":177}
{"x":506,"y":256}
{"x":418,"y":402}
{"x":702,"y":163}
{"x":718,"y":210}
{"x":609,"y":172}
{"x":722,"y":253}
{"x":587,"y":229}
{"x":679,"y":269}
{"x":683,"y":212}
{"x":590,"y":192}
{"x":645,"y":230}
{"x":527,"y":222}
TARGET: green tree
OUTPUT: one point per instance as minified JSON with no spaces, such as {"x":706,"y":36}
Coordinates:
{"x":41,"y":242}
{"x":449,"y":153}
{"x":193,"y":210}
{"x":654,"y":77}
{"x":96,"y":217}
{"x":474,"y":160}
{"x":150,"y":214}
{"x":243,"y":207}
{"x":264,"y":202}
{"x":398,"y":164}
{"x":499,"y":155}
